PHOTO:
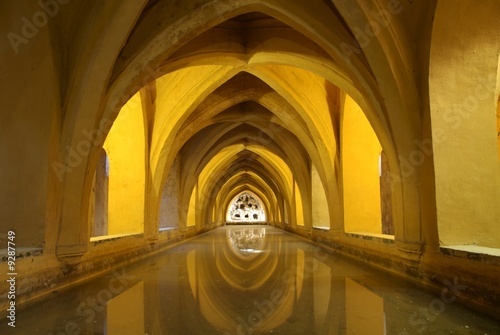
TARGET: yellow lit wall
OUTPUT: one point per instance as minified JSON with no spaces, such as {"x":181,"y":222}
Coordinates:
{"x":498,"y":126}
{"x":299,"y":212}
{"x":464,"y":88}
{"x":320,"y":211}
{"x":360,"y":165}
{"x":191,"y":218}
{"x":125,"y":146}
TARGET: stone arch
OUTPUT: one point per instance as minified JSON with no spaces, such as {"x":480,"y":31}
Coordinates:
{"x":407,"y":186}
{"x":256,"y":185}
{"x":225,"y":175}
{"x":81,"y":123}
{"x":327,"y":31}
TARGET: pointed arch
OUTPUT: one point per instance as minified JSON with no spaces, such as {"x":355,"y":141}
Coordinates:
{"x":246,"y":207}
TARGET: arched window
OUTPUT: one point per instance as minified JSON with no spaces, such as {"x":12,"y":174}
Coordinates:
{"x":366,"y":175}
{"x":246,"y":208}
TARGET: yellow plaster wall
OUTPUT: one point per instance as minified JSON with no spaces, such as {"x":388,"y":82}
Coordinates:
{"x":320,"y":210}
{"x":360,"y":168}
{"x":498,"y":127}
{"x":191,"y":217}
{"x":463,"y":81}
{"x":497,"y":92}
{"x":125,"y":146}
{"x":299,"y":211}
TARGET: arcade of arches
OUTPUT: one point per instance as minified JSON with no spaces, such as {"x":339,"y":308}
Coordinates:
{"x":369,"y":126}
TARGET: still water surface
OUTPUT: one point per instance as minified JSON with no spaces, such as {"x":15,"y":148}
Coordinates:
{"x":250,"y":280}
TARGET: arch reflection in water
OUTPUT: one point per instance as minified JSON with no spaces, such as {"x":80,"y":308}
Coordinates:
{"x":213,"y":284}
{"x":246,"y":241}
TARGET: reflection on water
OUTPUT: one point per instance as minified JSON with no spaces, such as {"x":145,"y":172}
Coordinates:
{"x":248,"y":280}
{"x":246,"y":241}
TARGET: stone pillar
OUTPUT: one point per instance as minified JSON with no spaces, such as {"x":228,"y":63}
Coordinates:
{"x":386,"y":195}
{"x":100,"y":226}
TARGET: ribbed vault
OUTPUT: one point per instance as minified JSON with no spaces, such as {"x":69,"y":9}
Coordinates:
{"x":249,"y":96}
{"x":131,"y":125}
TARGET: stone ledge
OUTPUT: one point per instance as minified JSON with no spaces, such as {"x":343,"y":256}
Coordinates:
{"x":20,"y":253}
{"x":167,"y":229}
{"x":389,"y":239}
{"x":322,"y":228}
{"x":472,"y":252}
{"x":109,"y":238}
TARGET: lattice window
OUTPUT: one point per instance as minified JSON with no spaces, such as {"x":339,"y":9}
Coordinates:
{"x":246,"y":207}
